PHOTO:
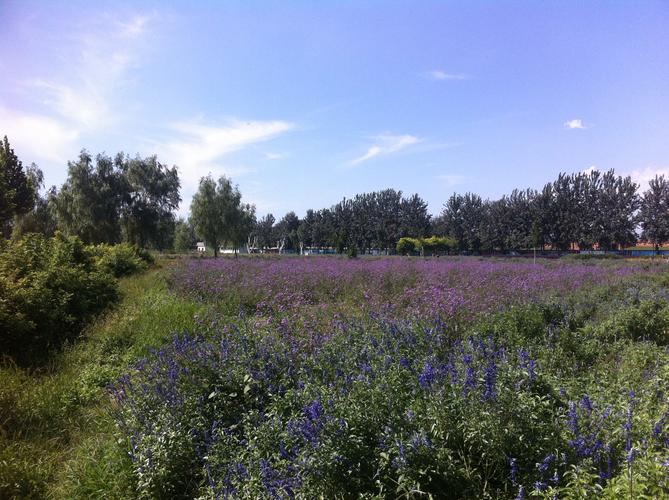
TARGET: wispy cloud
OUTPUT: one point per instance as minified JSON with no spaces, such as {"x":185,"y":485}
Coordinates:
{"x":36,"y":137}
{"x":575,"y":124}
{"x":451,"y":180}
{"x":198,"y":149}
{"x":274,"y":156}
{"x":85,"y":100}
{"x":134,"y":26}
{"x":440,"y":75}
{"x":386,"y":144}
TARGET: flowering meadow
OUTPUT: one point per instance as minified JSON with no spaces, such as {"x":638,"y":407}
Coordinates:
{"x":394,"y":378}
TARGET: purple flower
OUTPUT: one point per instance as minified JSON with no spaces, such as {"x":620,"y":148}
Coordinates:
{"x":490,"y":378}
{"x":427,"y":376}
{"x":513,"y":462}
{"x":546,"y":464}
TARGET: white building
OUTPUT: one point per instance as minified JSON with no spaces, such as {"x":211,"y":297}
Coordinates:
{"x":201,"y":247}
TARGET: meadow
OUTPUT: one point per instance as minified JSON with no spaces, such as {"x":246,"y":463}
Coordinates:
{"x":330,"y":377}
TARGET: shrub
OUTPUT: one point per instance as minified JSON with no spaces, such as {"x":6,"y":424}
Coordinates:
{"x":121,"y":260}
{"x":646,"y":321}
{"x":407,"y":246}
{"x":49,"y":288}
{"x":428,"y":246}
{"x":437,"y":244}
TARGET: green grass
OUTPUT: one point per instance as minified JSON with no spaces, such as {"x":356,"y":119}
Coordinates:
{"x":57,"y":439}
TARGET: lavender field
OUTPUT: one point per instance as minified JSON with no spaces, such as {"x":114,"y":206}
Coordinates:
{"x":391,"y":377}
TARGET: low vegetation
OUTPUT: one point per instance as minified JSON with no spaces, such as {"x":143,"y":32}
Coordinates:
{"x":558,"y":390}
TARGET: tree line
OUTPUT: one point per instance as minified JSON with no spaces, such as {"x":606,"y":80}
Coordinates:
{"x":124,"y":199}
{"x":584,"y":210}
{"x":104,"y":200}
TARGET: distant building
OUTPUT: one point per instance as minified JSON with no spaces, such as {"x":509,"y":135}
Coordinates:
{"x":201,"y":247}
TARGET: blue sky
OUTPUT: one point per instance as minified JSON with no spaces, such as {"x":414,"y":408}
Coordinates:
{"x":303,"y":103}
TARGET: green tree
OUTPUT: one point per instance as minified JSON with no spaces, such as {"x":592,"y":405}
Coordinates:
{"x":184,"y":236}
{"x":215,"y":211}
{"x":151,"y":194}
{"x":17,"y":194}
{"x":89,"y":203}
{"x":654,"y":212}
{"x":42,"y":218}
{"x":242,"y":222}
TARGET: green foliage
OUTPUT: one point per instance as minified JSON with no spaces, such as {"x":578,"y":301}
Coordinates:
{"x":352,"y":252}
{"x":51,"y":287}
{"x":438,"y":245}
{"x":121,"y":199}
{"x":17,"y":192}
{"x":646,"y":321}
{"x":653,"y":211}
{"x":121,"y":260}
{"x":184,"y":236}
{"x":218,"y":214}
{"x":406,"y":246}
{"x":427,"y":246}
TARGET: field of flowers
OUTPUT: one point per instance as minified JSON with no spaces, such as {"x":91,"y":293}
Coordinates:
{"x":392,"y":377}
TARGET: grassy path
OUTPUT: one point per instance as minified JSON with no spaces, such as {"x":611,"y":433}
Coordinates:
{"x":56,"y":437}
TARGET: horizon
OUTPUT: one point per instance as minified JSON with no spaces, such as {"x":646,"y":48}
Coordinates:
{"x":304,"y":105}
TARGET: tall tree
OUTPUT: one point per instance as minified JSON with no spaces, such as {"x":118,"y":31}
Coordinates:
{"x":285,"y":232}
{"x":263,"y":231}
{"x":214,"y":210}
{"x":654,"y":213}
{"x":242,"y":221}
{"x":42,"y":218}
{"x":89,"y":203}
{"x":17,"y":194}
{"x":184,"y":236}
{"x":151,"y":194}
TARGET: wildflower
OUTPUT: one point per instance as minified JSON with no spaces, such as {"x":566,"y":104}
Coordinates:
{"x":513,"y":462}
{"x":427,"y":376}
{"x":546,"y":464}
{"x":490,"y":378}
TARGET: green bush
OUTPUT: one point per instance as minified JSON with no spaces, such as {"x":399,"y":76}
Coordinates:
{"x":49,"y":288}
{"x":121,"y":260}
{"x":646,"y":321}
{"x":428,"y":246}
{"x":407,"y":246}
{"x":437,"y":244}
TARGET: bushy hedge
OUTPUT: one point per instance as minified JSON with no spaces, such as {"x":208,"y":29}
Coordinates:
{"x":427,"y":246}
{"x":121,"y":260}
{"x":49,"y":288}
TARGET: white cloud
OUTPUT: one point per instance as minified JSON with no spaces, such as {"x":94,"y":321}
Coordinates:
{"x":274,"y":156}
{"x":386,"y":144}
{"x":133,"y":27}
{"x":36,"y":137}
{"x":442,"y":75}
{"x":451,"y":180}
{"x":199,"y":148}
{"x":643,"y":176}
{"x":83,"y":99}
{"x":575,"y":124}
